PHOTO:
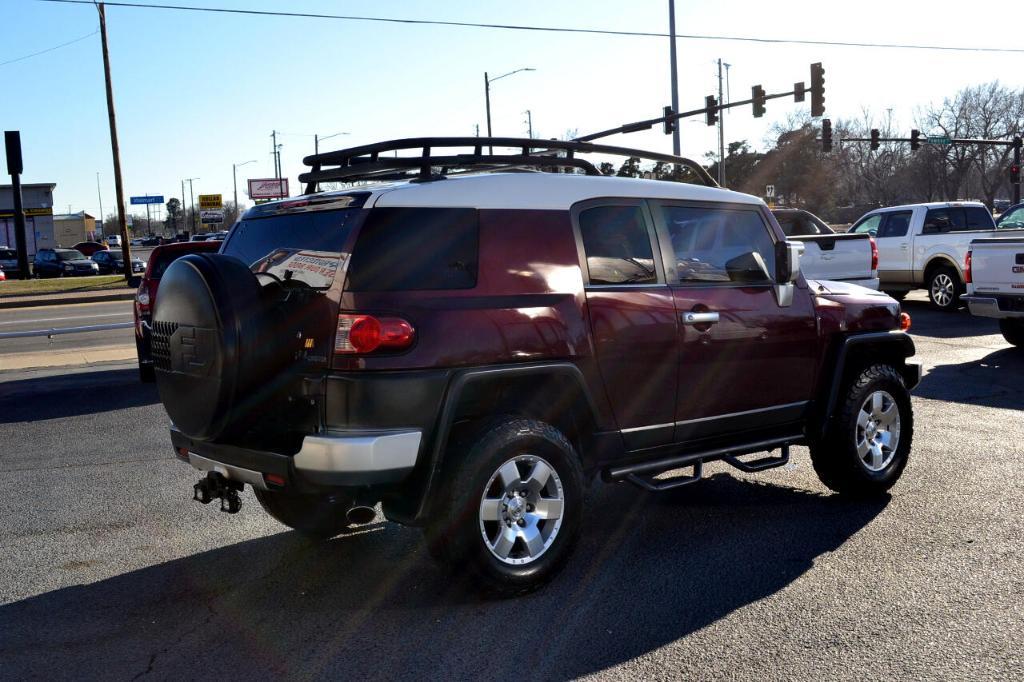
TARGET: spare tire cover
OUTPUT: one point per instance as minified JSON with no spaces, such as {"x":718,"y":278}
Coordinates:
{"x":206,"y":323}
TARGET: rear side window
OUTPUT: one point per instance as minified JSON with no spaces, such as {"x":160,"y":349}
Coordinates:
{"x":945,"y":220}
{"x":978,"y":218}
{"x":720,"y":245}
{"x":617,"y":244}
{"x":410,"y":249}
{"x":896,"y":224}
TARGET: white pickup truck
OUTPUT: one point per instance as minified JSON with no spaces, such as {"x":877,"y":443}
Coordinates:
{"x":925,"y":245}
{"x":827,"y":254}
{"x":995,"y":284}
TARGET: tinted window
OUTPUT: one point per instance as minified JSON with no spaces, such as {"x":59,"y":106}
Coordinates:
{"x":617,"y":244}
{"x":408,"y":249}
{"x":978,"y":218}
{"x":99,"y":256}
{"x":720,"y":245}
{"x":801,"y":224}
{"x":944,"y":220}
{"x":10,"y":254}
{"x":69,"y":254}
{"x":896,"y":224}
{"x":869,"y":225}
{"x":1011,"y":220}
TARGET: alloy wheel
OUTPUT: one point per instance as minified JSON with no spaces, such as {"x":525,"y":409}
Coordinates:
{"x":878,"y":431}
{"x":943,"y":289}
{"x":521,"y":509}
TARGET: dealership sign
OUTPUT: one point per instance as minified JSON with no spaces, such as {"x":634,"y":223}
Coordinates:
{"x":211,"y":217}
{"x":210,"y":202}
{"x":268,"y":188}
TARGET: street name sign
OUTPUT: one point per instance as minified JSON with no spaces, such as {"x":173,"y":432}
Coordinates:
{"x":148,"y":200}
{"x":938,"y":139}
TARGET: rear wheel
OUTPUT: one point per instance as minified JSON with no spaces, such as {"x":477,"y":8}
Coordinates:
{"x":945,"y":288}
{"x":316,"y":516}
{"x":511,"y":506}
{"x":1013,"y":331}
{"x":867,"y":443}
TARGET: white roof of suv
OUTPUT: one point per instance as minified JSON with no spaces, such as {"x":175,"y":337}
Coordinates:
{"x":931,"y":204}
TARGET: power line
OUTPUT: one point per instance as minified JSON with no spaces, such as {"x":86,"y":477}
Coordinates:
{"x":49,"y":49}
{"x":549,"y":29}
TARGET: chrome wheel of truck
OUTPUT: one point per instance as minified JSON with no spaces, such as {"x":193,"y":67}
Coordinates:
{"x":944,"y":288}
{"x":521,"y":509}
{"x":878,"y":430}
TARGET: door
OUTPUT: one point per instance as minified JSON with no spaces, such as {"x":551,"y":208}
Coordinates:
{"x":745,"y":361}
{"x":892,"y":235}
{"x":632,"y":318}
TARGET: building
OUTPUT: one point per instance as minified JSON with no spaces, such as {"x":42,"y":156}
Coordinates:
{"x":37,"y":200}
{"x":72,"y":228}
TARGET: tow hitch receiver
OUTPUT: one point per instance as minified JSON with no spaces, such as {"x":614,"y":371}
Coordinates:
{"x":214,"y":487}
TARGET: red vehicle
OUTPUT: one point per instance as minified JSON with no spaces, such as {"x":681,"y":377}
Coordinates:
{"x":159,"y":259}
{"x":471,"y":348}
{"x":87,"y":249}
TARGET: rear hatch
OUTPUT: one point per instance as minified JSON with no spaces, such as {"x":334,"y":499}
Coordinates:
{"x":997,"y":266}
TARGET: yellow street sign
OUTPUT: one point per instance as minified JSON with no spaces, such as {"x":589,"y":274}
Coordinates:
{"x":210,"y":202}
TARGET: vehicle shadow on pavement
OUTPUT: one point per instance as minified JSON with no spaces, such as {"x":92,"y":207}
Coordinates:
{"x":936,"y":324}
{"x":71,"y":395}
{"x":992,"y":381}
{"x":648,"y":571}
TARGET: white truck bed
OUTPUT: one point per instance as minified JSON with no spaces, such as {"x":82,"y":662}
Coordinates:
{"x":997,"y":278}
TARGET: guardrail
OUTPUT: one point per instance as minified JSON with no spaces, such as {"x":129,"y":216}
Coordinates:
{"x":50,"y":333}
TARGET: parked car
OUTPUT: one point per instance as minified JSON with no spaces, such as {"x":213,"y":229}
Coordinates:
{"x":1012,"y":218}
{"x":994,"y":269}
{"x":414,"y":344}
{"x":152,"y":241}
{"x":849,"y":258}
{"x":199,"y":237}
{"x":113,"y":240}
{"x":63,"y":263}
{"x":112,"y":262}
{"x":9,"y":260}
{"x":924,"y":246}
{"x":145,"y":297}
{"x":87,"y":249}
{"x":136,"y":242}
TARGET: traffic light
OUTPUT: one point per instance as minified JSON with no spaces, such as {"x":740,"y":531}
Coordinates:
{"x":1014,"y":174}
{"x":711,"y":110}
{"x":915,"y":140}
{"x":757,"y":94}
{"x":670,"y":123}
{"x":817,"y":89}
{"x":874,"y":138}
{"x":826,"y":134}
{"x":799,"y":90}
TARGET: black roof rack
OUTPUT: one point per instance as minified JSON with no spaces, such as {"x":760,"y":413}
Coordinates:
{"x":368,"y":162}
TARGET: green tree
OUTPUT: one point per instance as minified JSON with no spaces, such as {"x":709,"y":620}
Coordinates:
{"x":174,"y":213}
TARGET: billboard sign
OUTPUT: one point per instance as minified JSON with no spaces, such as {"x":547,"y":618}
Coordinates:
{"x":211,"y":217}
{"x":210,"y":202}
{"x":268,"y":188}
{"x":148,"y":200}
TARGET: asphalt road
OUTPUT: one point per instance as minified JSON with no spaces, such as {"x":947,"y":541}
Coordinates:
{"x":77,"y":315}
{"x":108,"y":569}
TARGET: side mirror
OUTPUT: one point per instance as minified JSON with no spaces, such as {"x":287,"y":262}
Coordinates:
{"x":787,"y":261}
{"x":134,"y":281}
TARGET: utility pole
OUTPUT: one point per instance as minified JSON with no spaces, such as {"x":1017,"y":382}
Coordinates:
{"x":672,"y":69}
{"x":487,"y":102}
{"x":100,"y":195}
{"x":277,"y":155}
{"x":183,"y":221}
{"x":1016,"y":161}
{"x":115,"y":148}
{"x":192,"y":198}
{"x":529,"y":123}
{"x":721,"y":132}
{"x":12,"y":141}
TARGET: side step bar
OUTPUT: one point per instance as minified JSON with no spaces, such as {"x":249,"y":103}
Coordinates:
{"x":643,"y":474}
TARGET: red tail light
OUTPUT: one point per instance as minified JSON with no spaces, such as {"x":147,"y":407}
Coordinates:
{"x":967,"y":268}
{"x":874,"y":254}
{"x":366,"y":333}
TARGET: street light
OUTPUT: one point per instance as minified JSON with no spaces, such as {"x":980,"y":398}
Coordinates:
{"x":487,"y":95}
{"x":234,"y":174}
{"x":317,"y":138}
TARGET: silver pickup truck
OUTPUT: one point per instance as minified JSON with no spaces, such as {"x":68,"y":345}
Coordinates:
{"x":994,"y":270}
{"x":829,"y":255}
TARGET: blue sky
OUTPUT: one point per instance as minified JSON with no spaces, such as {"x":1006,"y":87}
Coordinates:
{"x":197,"y":92}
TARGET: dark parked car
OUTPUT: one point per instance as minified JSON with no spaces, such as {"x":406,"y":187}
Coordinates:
{"x":112,"y":262}
{"x":159,"y":259}
{"x":87,"y":249}
{"x":63,"y":263}
{"x":9,"y":260}
{"x":472,"y":349}
{"x":152,"y":241}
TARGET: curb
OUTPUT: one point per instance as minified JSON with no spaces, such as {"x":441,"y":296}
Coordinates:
{"x":32,"y":302}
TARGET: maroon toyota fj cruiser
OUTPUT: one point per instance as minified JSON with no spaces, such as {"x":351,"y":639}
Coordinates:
{"x":470,"y":347}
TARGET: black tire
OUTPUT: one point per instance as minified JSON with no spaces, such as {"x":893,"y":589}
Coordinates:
{"x":455,"y":535}
{"x":146,"y":374}
{"x":945,"y":288}
{"x":319,"y":517}
{"x":896,"y":295}
{"x":836,"y":459}
{"x":1013,"y":331}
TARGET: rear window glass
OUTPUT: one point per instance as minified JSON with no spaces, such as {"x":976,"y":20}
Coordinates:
{"x":69,"y":254}
{"x":978,"y":218}
{"x":306,"y":246}
{"x":408,"y":249}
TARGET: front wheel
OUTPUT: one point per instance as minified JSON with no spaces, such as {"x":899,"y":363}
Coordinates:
{"x":511,"y":506}
{"x":1013,"y":331}
{"x":945,"y":289}
{"x":316,"y":516}
{"x":867,"y":443}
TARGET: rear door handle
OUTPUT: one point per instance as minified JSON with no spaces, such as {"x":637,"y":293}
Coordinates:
{"x":700,"y":318}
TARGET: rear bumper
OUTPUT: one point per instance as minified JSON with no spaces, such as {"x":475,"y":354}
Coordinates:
{"x":346,"y":458}
{"x":985,"y":306}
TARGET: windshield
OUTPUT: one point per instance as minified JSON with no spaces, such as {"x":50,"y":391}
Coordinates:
{"x":303,"y":246}
{"x":69,"y":254}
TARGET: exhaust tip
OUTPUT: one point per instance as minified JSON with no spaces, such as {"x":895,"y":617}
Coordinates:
{"x":360,"y":515}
